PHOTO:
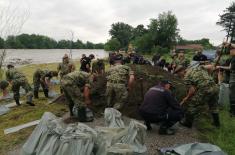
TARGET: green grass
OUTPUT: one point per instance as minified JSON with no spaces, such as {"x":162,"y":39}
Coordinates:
{"x":224,"y":136}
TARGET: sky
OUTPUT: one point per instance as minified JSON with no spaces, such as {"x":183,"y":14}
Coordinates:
{"x":90,"y":20}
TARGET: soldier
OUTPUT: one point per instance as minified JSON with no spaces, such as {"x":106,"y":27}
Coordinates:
{"x":231,"y":67}
{"x":98,"y":67}
{"x":76,"y":87}
{"x":202,"y":92}
{"x":66,"y":66}
{"x":3,"y":86}
{"x":17,"y":80}
{"x":42,"y":77}
{"x":86,"y":63}
{"x":117,"y":77}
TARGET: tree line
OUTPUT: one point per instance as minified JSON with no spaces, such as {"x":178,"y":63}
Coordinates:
{"x":161,"y":35}
{"x":33,"y":41}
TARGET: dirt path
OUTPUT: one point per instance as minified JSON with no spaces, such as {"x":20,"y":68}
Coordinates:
{"x":154,"y":141}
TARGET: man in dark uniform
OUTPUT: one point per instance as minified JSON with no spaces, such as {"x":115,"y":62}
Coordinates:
{"x":86,"y":63}
{"x":161,"y":106}
{"x":41,"y":77}
{"x":199,"y":56}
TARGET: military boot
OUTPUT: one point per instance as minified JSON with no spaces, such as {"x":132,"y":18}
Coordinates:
{"x":30,"y":100}
{"x":35,"y":93}
{"x":232,"y":109}
{"x":148,"y":125}
{"x":166,"y":131}
{"x":17,"y":100}
{"x":188,"y":121}
{"x":216,"y":121}
{"x":45,"y":91}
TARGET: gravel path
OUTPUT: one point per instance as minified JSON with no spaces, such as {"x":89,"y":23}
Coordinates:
{"x":154,"y":141}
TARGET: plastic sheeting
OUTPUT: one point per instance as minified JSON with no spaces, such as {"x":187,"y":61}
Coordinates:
{"x":113,"y":118}
{"x":4,"y":109}
{"x":53,"y":137}
{"x":193,"y":149}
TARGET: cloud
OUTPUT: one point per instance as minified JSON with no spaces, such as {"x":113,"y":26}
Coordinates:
{"x":91,"y":20}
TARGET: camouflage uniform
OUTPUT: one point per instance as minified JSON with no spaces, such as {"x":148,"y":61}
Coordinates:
{"x":206,"y":93}
{"x":98,"y":66}
{"x":18,"y":80}
{"x":65,"y":68}
{"x":39,"y":79}
{"x":73,"y":85}
{"x":117,"y":78}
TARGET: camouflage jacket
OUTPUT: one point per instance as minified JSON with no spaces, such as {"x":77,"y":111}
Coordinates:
{"x":98,"y":66}
{"x":78,"y":78}
{"x":119,"y":73}
{"x":65,"y":68}
{"x":41,"y":74}
{"x":13,"y":74}
{"x":199,"y":78}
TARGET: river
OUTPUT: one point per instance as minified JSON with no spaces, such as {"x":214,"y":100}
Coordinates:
{"x":38,"y":56}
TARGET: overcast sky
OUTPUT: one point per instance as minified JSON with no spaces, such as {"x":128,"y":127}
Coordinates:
{"x":92,"y":19}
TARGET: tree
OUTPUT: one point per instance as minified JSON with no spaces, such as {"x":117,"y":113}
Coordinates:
{"x":89,"y":45}
{"x":112,"y":45}
{"x":139,"y":31}
{"x":63,"y":44}
{"x":122,"y":32}
{"x":164,"y":30}
{"x":2,"y":43}
{"x":227,"y":19}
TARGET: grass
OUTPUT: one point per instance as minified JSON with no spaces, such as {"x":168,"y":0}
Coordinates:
{"x":224,"y":136}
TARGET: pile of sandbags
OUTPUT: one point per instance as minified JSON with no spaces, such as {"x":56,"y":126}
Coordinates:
{"x":52,"y":136}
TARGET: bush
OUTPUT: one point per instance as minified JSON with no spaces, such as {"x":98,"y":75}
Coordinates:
{"x":160,"y":50}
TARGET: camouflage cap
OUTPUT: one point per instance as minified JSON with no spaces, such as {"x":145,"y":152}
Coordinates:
{"x":4,"y":84}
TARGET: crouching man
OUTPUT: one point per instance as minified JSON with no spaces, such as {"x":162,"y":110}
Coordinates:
{"x":160,"y":106}
{"x":76,"y":87}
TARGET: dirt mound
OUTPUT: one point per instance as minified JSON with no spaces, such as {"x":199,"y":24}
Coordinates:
{"x":146,"y":77}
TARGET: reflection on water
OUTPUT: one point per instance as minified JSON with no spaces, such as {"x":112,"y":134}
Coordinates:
{"x":37,"y":56}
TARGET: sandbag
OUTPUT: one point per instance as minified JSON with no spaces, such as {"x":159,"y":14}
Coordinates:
{"x":113,"y":118}
{"x":193,"y":149}
{"x":120,"y":149}
{"x":4,"y":109}
{"x":224,"y":94}
{"x":29,"y":148}
{"x":136,"y":137}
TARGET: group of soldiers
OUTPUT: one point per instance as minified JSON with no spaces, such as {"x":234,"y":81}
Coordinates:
{"x":76,"y":85}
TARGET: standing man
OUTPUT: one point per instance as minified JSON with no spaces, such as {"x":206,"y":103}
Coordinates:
{"x":76,"y":87}
{"x":118,"y":78}
{"x":86,"y":63}
{"x":65,"y":67}
{"x":42,"y":77}
{"x":202,"y":92}
{"x":231,"y":67}
{"x":161,"y":106}
{"x":98,"y":67}
{"x":17,"y":80}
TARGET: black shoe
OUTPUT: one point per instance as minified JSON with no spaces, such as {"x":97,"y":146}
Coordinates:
{"x":216,"y":121}
{"x":30,"y":103}
{"x":186,"y":124}
{"x":148,"y":125}
{"x":35,"y":94}
{"x":45,"y":91}
{"x":166,"y":131}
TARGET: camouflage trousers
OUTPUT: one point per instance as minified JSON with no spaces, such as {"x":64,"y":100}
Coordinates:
{"x":37,"y":82}
{"x":232,"y":93}
{"x":21,"y":82}
{"x":116,"y":94}
{"x":73,"y":95}
{"x":203,"y":100}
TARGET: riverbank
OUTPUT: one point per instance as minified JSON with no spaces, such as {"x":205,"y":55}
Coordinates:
{"x":222,"y":137}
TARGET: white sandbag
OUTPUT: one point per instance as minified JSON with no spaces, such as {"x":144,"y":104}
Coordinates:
{"x":136,"y":137}
{"x":29,"y":148}
{"x":4,"y":109}
{"x":113,"y":118}
{"x":107,"y":137}
{"x":120,"y":149}
{"x":77,"y":140}
{"x":224,"y":94}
